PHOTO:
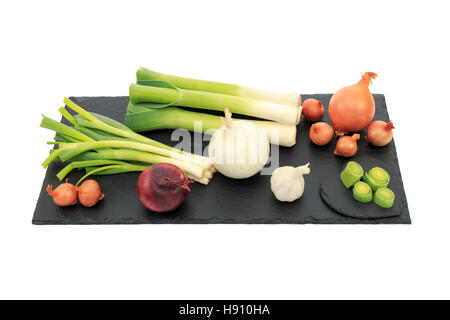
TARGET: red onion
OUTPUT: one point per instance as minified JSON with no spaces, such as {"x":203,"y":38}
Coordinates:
{"x":163,"y":187}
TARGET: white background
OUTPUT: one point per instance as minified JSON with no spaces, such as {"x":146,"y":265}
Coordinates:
{"x":50,"y":49}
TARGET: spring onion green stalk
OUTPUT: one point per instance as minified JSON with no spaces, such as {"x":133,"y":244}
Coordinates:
{"x":362,"y":192}
{"x":291,"y":99}
{"x":158,"y":95}
{"x":351,"y":174}
{"x":141,"y":119}
{"x":116,"y":128}
{"x":64,"y":130}
{"x":140,"y":158}
{"x":376,"y":178}
{"x":70,"y":150}
{"x":128,"y":167}
{"x":91,"y":163}
{"x":384,"y":197}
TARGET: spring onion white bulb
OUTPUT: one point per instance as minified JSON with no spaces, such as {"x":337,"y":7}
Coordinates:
{"x":239,"y":149}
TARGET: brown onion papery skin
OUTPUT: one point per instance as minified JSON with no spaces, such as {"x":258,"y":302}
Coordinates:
{"x":352,"y":108}
{"x":321,"y":133}
{"x":313,"y":110}
{"x":379,"y":133}
{"x":347,"y":146}
{"x":89,"y":193}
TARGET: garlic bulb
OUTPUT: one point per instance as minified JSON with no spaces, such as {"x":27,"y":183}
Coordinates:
{"x":287,"y":182}
{"x":239,"y":149}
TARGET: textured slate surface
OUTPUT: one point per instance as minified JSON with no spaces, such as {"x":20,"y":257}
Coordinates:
{"x":225,"y":200}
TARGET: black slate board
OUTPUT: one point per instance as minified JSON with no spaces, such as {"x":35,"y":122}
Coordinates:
{"x":225,"y":200}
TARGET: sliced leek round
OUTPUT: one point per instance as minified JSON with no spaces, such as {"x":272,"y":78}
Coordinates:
{"x":362,"y":192}
{"x":384,"y":197}
{"x":376,"y":178}
{"x":351,"y":174}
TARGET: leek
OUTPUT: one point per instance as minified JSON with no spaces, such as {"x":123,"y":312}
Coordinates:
{"x":157,"y":94}
{"x":377,"y":178}
{"x":351,"y":174}
{"x":384,"y":197}
{"x":141,"y":119}
{"x":362,"y":192}
{"x":291,"y":99}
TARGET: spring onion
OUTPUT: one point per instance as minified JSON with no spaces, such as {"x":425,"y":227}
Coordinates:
{"x":291,"y":99}
{"x":102,"y":145}
{"x":362,"y":192}
{"x":376,"y":178}
{"x":141,"y":119}
{"x":384,"y":197}
{"x":159,"y":95}
{"x":351,"y":174}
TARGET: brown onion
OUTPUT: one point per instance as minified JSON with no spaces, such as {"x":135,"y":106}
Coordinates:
{"x":352,"y":108}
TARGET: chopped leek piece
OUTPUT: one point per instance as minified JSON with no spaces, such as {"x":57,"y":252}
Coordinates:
{"x":384,"y":197}
{"x":362,"y":192}
{"x":140,"y":119}
{"x":376,"y":178}
{"x":292,"y":99}
{"x":351,"y":174}
{"x":157,"y":95}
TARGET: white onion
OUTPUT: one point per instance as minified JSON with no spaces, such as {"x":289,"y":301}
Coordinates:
{"x":239,"y":149}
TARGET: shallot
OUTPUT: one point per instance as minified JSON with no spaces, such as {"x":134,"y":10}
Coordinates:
{"x":89,"y":193}
{"x":352,"y":108}
{"x":347,"y":146}
{"x":379,"y":133}
{"x":321,"y":133}
{"x":313,"y":110}
{"x":64,"y":195}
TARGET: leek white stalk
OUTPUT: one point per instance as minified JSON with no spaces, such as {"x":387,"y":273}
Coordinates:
{"x":141,"y":119}
{"x":292,"y":99}
{"x":159,"y":95}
